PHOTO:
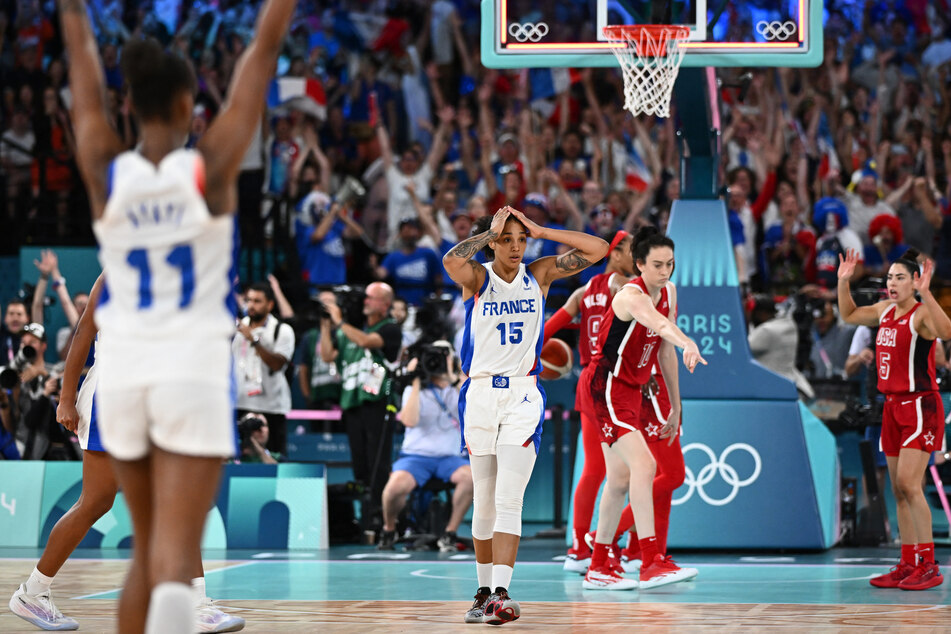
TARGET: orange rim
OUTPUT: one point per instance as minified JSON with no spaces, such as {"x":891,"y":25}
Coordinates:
{"x":630,"y":35}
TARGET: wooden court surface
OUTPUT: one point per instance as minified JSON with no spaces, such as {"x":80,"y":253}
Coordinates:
{"x":80,"y":578}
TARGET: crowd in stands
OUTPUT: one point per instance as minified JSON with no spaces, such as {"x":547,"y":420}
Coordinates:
{"x":409,"y":140}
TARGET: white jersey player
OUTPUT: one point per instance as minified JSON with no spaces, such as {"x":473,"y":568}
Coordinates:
{"x":164,"y":399}
{"x":501,"y":406}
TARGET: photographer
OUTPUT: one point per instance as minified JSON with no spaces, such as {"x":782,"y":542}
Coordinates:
{"x":262,"y":348}
{"x":773,"y":342}
{"x":32,"y":392}
{"x":365,"y":358}
{"x":254,"y":432}
{"x":430,"y":449}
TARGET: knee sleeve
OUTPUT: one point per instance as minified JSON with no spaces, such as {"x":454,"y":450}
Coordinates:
{"x":515,"y":466}
{"x":483,"y":496}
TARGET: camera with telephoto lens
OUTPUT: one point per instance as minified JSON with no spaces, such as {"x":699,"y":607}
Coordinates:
{"x":10,"y":375}
{"x":433,"y":360}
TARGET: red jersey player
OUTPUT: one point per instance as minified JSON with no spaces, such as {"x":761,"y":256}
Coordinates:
{"x":638,"y":332}
{"x":591,"y":301}
{"x":913,"y":418}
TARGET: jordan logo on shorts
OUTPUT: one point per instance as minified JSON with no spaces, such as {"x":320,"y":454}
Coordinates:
{"x":525,"y":399}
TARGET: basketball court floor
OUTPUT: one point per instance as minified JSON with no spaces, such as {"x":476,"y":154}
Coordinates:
{"x":358,"y":589}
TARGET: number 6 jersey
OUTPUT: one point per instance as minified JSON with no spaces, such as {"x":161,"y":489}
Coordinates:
{"x":628,"y":349}
{"x":503,"y":331}
{"x":167,"y":303}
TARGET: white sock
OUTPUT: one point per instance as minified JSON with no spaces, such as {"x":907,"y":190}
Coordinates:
{"x":501,"y":576}
{"x":38,"y":583}
{"x":171,"y":609}
{"x":198,"y":587}
{"x":484,"y":574}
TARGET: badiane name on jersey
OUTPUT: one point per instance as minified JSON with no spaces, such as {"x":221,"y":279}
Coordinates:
{"x":886,"y":337}
{"x":156,"y":212}
{"x":511,"y":307}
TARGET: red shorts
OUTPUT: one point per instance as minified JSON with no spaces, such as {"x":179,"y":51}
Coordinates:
{"x":912,"y":421}
{"x":616,"y":406}
{"x":583,"y":392}
{"x":654,"y":412}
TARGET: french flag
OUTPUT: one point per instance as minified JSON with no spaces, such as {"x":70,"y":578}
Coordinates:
{"x":637,"y":176}
{"x":550,"y":82}
{"x":298,"y":93}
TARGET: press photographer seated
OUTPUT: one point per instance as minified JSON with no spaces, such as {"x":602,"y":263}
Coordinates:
{"x":254,"y":432}
{"x":431,"y":446}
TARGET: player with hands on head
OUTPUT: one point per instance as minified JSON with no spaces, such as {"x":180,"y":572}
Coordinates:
{"x":913,"y":416}
{"x":501,"y":405}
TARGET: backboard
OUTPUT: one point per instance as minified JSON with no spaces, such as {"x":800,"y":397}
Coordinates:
{"x":568,"y":33}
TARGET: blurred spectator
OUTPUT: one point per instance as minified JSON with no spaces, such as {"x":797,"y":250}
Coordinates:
{"x":262,"y":347}
{"x":16,"y":157}
{"x":14,"y":319}
{"x":887,"y":244}
{"x":319,"y":380}
{"x":831,"y":340}
{"x":415,"y":272}
{"x":865,"y":203}
{"x":773,"y":342}
{"x":831,"y":218}
{"x":254,"y":433}
{"x":789,"y":249}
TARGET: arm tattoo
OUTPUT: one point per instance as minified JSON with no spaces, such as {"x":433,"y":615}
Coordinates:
{"x":571,"y":262}
{"x":468,"y":248}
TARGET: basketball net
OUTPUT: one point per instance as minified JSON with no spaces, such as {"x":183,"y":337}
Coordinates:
{"x":650,"y":57}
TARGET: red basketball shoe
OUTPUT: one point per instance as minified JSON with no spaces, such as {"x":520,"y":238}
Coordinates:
{"x":663,"y":571}
{"x":607,"y":579}
{"x":923,"y":577}
{"x":893,"y":577}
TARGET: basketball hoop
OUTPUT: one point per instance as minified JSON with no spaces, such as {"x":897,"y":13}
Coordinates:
{"x":650,"y":56}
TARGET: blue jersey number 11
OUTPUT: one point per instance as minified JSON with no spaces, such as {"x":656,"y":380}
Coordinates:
{"x":180,"y":258}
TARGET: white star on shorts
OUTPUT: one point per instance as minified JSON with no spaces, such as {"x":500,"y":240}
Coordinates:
{"x":607,"y":430}
{"x":929,"y":438}
{"x":653,"y":429}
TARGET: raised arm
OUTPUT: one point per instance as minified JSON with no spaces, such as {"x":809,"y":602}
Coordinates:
{"x":586,"y":250}
{"x":458,"y":262}
{"x":97,"y":143}
{"x":229,"y":135}
{"x":934,"y":322}
{"x":852,"y":314}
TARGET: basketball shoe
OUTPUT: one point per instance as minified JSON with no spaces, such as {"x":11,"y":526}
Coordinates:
{"x":476,"y":613}
{"x":211,"y":619}
{"x":387,"y":541}
{"x":663,"y":571}
{"x":924,"y":576}
{"x":39,"y":610}
{"x":631,"y":558}
{"x":577,"y":560}
{"x":448,"y":543}
{"x":893,"y":577}
{"x":630,"y":566}
{"x":606,"y":578}
{"x":501,"y":608}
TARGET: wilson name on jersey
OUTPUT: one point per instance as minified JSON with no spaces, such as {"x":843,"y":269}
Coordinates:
{"x":627,"y":348}
{"x":595,"y":301}
{"x":168,"y":261}
{"x":905,"y":360}
{"x":503,"y":331}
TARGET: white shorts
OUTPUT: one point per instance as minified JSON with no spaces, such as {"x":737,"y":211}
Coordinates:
{"x":192,"y":419}
{"x":498,"y":411}
{"x":87,"y":429}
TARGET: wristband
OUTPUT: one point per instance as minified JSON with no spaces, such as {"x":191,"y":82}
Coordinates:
{"x":59,"y":281}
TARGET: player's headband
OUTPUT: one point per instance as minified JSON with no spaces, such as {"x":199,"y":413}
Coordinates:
{"x":620,"y":235}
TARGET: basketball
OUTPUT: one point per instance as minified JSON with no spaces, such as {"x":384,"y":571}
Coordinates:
{"x":556,"y":359}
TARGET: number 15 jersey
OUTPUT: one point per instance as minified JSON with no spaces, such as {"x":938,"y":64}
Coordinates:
{"x":504,"y":326}
{"x":167,"y":303}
